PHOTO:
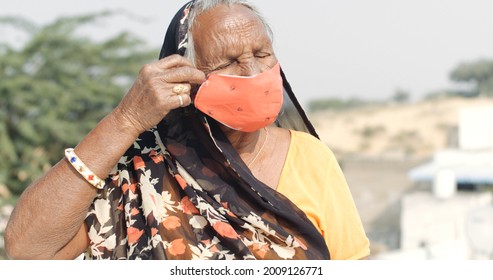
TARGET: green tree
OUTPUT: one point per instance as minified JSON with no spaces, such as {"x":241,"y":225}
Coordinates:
{"x":478,"y":73}
{"x":400,"y":96}
{"x":336,"y":104}
{"x":55,"y":88}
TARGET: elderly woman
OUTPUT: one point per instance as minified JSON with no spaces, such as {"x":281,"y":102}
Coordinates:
{"x":208,"y":156}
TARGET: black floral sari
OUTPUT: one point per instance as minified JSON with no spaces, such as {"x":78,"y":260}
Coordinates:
{"x":182,"y":192}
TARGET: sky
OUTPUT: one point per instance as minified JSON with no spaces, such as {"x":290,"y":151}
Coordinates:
{"x":328,"y":49}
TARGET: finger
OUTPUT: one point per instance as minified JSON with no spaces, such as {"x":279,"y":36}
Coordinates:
{"x":173,"y":61}
{"x":181,"y":88}
{"x":182,"y":100}
{"x":184,"y":74}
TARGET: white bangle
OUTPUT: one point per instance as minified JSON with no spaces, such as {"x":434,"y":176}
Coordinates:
{"x":83,"y":170}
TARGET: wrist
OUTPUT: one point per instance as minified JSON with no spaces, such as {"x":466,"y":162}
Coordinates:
{"x":108,"y":140}
{"x":124,"y":123}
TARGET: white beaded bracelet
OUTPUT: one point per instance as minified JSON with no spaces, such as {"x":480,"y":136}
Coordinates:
{"x":83,"y":170}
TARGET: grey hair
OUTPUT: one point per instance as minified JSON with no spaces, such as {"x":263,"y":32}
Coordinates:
{"x":201,"y":6}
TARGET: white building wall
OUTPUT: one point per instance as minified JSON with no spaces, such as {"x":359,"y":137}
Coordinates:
{"x":475,"y":130}
{"x":430,"y":222}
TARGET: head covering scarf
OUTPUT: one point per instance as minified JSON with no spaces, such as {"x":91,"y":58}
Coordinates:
{"x":182,"y":192}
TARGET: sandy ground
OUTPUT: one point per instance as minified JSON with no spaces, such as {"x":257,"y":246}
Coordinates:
{"x":395,"y":130}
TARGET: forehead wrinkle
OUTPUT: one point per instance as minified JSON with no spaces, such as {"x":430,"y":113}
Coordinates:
{"x":231,"y":33}
{"x":240,"y":32}
{"x":244,"y":36}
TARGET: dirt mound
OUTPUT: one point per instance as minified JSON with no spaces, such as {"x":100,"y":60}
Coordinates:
{"x":412,"y":130}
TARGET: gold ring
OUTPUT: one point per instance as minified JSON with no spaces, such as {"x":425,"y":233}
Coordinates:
{"x":180,"y":89}
{"x":181,"y":100}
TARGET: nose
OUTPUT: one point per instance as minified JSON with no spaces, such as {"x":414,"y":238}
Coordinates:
{"x":251,"y":68}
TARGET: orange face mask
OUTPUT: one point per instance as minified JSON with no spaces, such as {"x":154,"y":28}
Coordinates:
{"x":242,"y":103}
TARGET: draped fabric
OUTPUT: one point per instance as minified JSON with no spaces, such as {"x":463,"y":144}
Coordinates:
{"x":182,"y":192}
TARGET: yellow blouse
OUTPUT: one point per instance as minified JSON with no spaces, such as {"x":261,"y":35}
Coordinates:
{"x":312,"y":179}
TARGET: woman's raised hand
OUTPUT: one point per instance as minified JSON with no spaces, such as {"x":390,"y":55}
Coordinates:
{"x":160,"y":87}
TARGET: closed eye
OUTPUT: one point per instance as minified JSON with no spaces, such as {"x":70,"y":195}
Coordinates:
{"x":262,"y":55}
{"x":222,"y":66}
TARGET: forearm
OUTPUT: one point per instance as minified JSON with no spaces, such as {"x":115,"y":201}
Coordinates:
{"x":51,"y":211}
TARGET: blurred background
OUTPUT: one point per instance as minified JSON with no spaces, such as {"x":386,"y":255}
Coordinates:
{"x":401,"y":91}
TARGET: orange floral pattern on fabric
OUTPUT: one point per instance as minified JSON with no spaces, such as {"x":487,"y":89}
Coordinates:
{"x":185,"y":167}
{"x":142,"y":215}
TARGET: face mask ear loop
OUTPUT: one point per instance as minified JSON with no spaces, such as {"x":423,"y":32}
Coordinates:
{"x":193,"y":93}
{"x":195,"y":89}
{"x":191,"y":109}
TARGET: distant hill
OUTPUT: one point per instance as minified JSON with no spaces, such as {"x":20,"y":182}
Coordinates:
{"x":413,"y":130}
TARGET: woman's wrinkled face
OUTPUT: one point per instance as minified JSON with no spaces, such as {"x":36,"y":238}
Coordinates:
{"x":232,"y":40}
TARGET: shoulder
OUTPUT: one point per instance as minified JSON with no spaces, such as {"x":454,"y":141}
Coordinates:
{"x":300,"y":137}
{"x":310,"y":163}
{"x":305,"y":137}
{"x":316,"y":183}
{"x":305,"y":145}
